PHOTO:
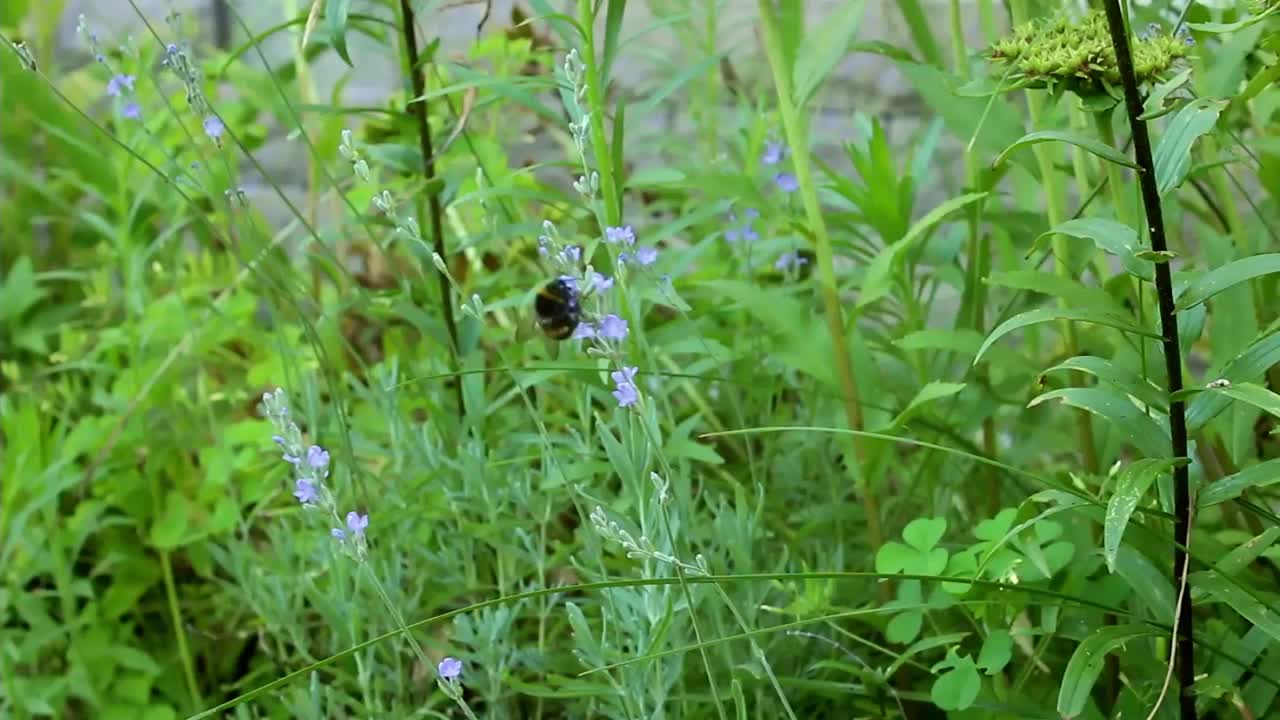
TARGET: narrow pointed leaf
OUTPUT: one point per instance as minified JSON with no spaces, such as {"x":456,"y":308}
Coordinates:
{"x":821,"y":51}
{"x":1247,"y":366}
{"x":1131,"y":486}
{"x":1084,"y":142}
{"x":1138,"y":430}
{"x":1172,"y":155}
{"x":1258,"y":476}
{"x":1261,"y":613}
{"x":1110,"y":237}
{"x":1086,"y":663}
{"x":1119,"y":377}
{"x":335,"y":19}
{"x":1041,"y":315}
{"x":1227,"y":276}
{"x":879,"y":277}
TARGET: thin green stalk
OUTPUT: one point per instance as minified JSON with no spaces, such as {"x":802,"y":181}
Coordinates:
{"x":179,"y":630}
{"x":1182,"y":635}
{"x":595,"y":99}
{"x":978,"y":258}
{"x":1055,"y":207}
{"x":795,"y":125}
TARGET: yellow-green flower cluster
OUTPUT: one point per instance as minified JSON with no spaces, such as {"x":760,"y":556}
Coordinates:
{"x":1078,"y":55}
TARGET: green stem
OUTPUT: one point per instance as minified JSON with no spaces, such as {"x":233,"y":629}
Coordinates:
{"x":795,"y":125}
{"x":595,"y":99}
{"x":1057,"y":214}
{"x":1185,"y":653}
{"x":921,"y":33}
{"x":179,"y":632}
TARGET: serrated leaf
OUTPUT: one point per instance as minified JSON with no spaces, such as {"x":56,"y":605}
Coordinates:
{"x":1227,"y":276}
{"x":1040,"y":315}
{"x":1131,"y":486}
{"x":1261,"y":475}
{"x":1135,"y":426}
{"x":1084,"y":142}
{"x":1119,"y":377}
{"x":822,"y":50}
{"x":1172,"y":156}
{"x":1108,"y":236}
{"x":1086,"y":663}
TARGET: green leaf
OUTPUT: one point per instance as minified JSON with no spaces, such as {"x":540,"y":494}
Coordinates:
{"x":1086,"y":664}
{"x":1131,"y":486}
{"x":1172,"y":155}
{"x":1137,"y":428}
{"x":1073,"y":291}
{"x":996,"y":652}
{"x":1250,"y":394}
{"x":1119,"y":377}
{"x":965,"y":342}
{"x":677,"y":81}
{"x":612,"y":31}
{"x":1257,"y":611}
{"x":820,"y":52}
{"x":1040,"y":315}
{"x":879,"y":276}
{"x":957,"y":688}
{"x":1109,"y":236}
{"x":1260,"y":475}
{"x":1150,"y":585}
{"x":1153,"y":106}
{"x":1248,"y":365}
{"x":335,"y":19}
{"x":924,"y":533}
{"x":931,"y":392}
{"x":1220,"y":278}
{"x":170,"y":528}
{"x":1084,"y":142}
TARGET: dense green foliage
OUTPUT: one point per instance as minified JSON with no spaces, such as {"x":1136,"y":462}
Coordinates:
{"x":799,"y":459}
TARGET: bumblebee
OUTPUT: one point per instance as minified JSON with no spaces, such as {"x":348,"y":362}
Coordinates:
{"x":558,"y":308}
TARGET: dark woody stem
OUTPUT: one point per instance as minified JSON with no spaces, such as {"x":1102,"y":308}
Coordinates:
{"x":418,"y":108}
{"x":1185,"y":650}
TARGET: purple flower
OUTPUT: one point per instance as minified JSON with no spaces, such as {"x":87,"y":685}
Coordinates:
{"x":571,"y":254}
{"x":306,"y":492}
{"x":624,"y":235}
{"x":171,"y":49}
{"x":626,"y":391}
{"x":356,"y":523}
{"x":585,"y":330}
{"x":318,"y":458}
{"x":599,"y":282}
{"x":773,"y":152}
{"x":119,"y":83}
{"x":131,"y":110}
{"x":790,"y":260}
{"x":338,"y":534}
{"x":647,"y":255}
{"x":450,"y":668}
{"x":786,"y":182}
{"x":213,"y":127}
{"x":613,"y":327}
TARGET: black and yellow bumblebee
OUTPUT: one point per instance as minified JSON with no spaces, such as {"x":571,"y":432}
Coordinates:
{"x":558,"y":308}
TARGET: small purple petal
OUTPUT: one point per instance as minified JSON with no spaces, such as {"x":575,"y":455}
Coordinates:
{"x":790,"y":260}
{"x":306,"y":492}
{"x":131,"y":110}
{"x":613,"y":327}
{"x":584,"y":331}
{"x":626,"y":395}
{"x":599,"y":282}
{"x":356,"y":523}
{"x":786,"y":182}
{"x":772,"y":153}
{"x":647,"y":255}
{"x":450,"y":668}
{"x":119,"y":83}
{"x":317,"y":457}
{"x":213,"y":127}
{"x":624,"y":235}
{"x":338,"y":534}
{"x":571,"y":254}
